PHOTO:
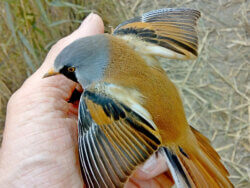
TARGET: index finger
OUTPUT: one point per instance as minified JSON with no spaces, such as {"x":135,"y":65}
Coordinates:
{"x":153,"y":167}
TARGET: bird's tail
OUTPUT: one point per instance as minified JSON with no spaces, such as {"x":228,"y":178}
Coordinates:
{"x":196,"y":167}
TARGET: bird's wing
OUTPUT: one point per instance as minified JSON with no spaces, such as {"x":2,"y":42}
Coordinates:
{"x":165,"y":32}
{"x":113,"y":139}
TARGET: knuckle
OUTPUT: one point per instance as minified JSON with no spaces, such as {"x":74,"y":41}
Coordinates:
{"x":13,"y":98}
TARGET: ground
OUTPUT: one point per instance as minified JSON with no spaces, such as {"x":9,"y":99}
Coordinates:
{"x":214,"y":88}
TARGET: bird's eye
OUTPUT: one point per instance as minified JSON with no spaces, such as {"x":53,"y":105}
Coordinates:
{"x":71,"y":69}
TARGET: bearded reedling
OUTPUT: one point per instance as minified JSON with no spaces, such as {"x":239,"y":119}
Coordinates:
{"x":130,"y":109}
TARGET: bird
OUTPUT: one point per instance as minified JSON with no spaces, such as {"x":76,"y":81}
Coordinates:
{"x":130,"y":109}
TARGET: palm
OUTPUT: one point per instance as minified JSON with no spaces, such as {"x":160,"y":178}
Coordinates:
{"x":47,"y":143}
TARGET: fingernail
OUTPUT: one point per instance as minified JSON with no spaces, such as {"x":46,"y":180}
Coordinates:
{"x":149,"y":165}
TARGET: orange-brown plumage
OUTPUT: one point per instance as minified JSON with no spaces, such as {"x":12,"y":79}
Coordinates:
{"x":163,"y":101}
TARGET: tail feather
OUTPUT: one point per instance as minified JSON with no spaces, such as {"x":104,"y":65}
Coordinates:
{"x":195,"y":176}
{"x":178,"y":173}
{"x":210,"y":160}
{"x":197,"y":167}
{"x":208,"y":150}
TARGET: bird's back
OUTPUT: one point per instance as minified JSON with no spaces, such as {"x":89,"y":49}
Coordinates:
{"x":162,"y":101}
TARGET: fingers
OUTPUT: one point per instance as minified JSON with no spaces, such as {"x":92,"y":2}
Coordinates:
{"x":153,"y":173}
{"x":154,"y":166}
{"x":160,"y":181}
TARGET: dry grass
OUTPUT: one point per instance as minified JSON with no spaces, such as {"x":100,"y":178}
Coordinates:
{"x":215,"y":87}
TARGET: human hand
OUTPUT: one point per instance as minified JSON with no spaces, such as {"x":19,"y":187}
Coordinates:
{"x":39,"y":145}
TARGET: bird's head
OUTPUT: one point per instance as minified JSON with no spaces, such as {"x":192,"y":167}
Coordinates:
{"x":83,"y":61}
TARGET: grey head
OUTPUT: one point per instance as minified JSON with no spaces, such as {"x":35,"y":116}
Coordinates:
{"x":84,"y":60}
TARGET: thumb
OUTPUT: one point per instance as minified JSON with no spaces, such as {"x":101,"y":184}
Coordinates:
{"x":153,"y":167}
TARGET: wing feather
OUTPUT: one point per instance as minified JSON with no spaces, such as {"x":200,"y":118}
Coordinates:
{"x":91,"y":161}
{"x":169,"y":29}
{"x":111,"y":159}
{"x":99,"y":166}
{"x":136,"y":146}
{"x":123,"y":146}
{"x":101,"y":156}
{"x":113,"y":140}
{"x":126,"y":157}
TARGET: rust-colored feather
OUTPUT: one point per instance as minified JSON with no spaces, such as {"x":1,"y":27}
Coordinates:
{"x":172,"y":29}
{"x":201,"y":163}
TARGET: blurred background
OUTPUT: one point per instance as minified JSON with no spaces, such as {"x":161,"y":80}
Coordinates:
{"x":214,"y":87}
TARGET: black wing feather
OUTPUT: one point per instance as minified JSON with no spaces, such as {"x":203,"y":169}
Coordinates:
{"x":109,"y":153}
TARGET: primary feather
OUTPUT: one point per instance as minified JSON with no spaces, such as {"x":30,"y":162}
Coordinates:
{"x":113,"y":138}
{"x":165,"y":32}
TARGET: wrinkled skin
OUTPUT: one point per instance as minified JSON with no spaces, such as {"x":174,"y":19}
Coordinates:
{"x":39,"y":147}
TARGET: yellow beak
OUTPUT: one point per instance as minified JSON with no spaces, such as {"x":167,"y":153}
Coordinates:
{"x":51,"y":72}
